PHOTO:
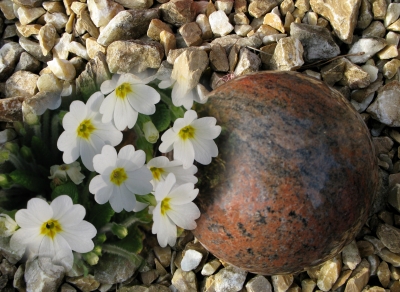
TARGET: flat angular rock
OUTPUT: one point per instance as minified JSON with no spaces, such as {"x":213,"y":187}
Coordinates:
{"x":368,"y":46}
{"x":102,"y":11}
{"x":156,"y":27}
{"x":6,"y":6}
{"x":28,"y":63}
{"x":343,"y":18}
{"x":384,"y":108}
{"x":28,"y":29}
{"x":219,"y":23}
{"x":375,"y":30}
{"x":258,"y":284}
{"x":210,"y":267}
{"x":392,"y":13}
{"x":57,"y":19}
{"x":282,"y":283}
{"x":390,"y":237}
{"x":92,"y":47}
{"x":27,"y":15}
{"x":47,"y":37}
{"x":137,"y":4}
{"x":390,"y":257}
{"x":127,"y":25}
{"x":359,"y":278}
{"x":21,"y":83}
{"x":43,"y":275}
{"x":383,"y":274}
{"x":258,"y":8}
{"x":204,"y":24}
{"x":248,"y":63}
{"x":184,"y":281}
{"x":191,"y":34}
{"x":354,"y":77}
{"x":178,"y":12}
{"x":83,"y":283}
{"x":288,"y":55}
{"x":9,"y":56}
{"x":34,"y":49}
{"x":351,"y":255}
{"x":230,"y":279}
{"x":124,"y":56}
{"x":219,"y":59}
{"x":274,"y":21}
{"x":11,"y":109}
{"x":61,"y":48}
{"x":379,"y":9}
{"x":191,"y":260}
{"x":113,"y":269}
{"x":329,"y":273}
{"x":317,"y":41}
{"x":365,"y":15}
{"x":63,"y":69}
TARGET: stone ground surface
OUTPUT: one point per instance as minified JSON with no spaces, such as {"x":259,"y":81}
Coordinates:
{"x":353,"y":47}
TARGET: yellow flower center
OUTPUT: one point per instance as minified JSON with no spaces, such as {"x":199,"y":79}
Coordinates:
{"x":157,"y":172}
{"x":118,"y":176}
{"x":123,"y":90}
{"x":64,"y":167}
{"x":85,"y":129}
{"x":186,"y":133}
{"x":165,"y":206}
{"x":50,"y":228}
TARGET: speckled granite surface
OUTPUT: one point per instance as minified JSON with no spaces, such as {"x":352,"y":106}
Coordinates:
{"x":297,"y":174}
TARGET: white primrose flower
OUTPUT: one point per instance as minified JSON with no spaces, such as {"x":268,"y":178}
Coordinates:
{"x":7,"y":225}
{"x":72,"y":170}
{"x":174,"y":208}
{"x":160,"y":167}
{"x":192,"y":139}
{"x":128,"y":96}
{"x":121,"y":177}
{"x":85,"y":134}
{"x":54,"y":230}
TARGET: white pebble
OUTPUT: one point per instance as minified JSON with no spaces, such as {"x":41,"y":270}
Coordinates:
{"x":219,"y":23}
{"x":372,"y":71}
{"x":191,"y":260}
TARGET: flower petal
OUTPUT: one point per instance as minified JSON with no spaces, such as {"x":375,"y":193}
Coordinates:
{"x":184,"y":215}
{"x":78,"y":110}
{"x":183,"y":194}
{"x":204,"y":150}
{"x":139,"y":181}
{"x":158,"y":162}
{"x":104,"y":194}
{"x":163,"y":188}
{"x":73,"y":217}
{"x":62,"y":253}
{"x":79,"y":236}
{"x":143,"y":98}
{"x":87,"y":152}
{"x":184,"y":151}
{"x":70,"y":122}
{"x":107,"y":108}
{"x":206,"y":128}
{"x":94,"y":102}
{"x":120,"y":115}
{"x":116,"y":200}
{"x":38,"y":208}
{"x":105,"y":160}
{"x":60,"y":205}
{"x":109,"y":85}
{"x":168,"y":139}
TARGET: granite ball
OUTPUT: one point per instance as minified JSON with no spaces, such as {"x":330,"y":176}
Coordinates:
{"x":295,"y":178}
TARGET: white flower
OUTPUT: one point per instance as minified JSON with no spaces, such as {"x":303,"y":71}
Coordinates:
{"x":160,"y":167}
{"x":53,"y":230}
{"x":7,"y":225}
{"x":192,"y":139}
{"x":85,"y":134}
{"x":73,"y":170}
{"x":129,"y":96}
{"x":121,"y":177}
{"x":150,"y":132}
{"x":174,"y":208}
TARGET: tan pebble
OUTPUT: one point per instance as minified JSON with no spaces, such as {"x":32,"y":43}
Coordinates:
{"x":329,"y":273}
{"x":259,"y":284}
{"x":379,"y":8}
{"x":388,"y":52}
{"x":210,"y":267}
{"x":191,"y":34}
{"x":168,"y":41}
{"x":384,"y":274}
{"x":49,"y":82}
{"x":344,"y":276}
{"x":204,"y":24}
{"x":374,"y":262}
{"x":351,"y":255}
{"x":286,"y":6}
{"x":288,"y":21}
{"x":92,"y":47}
{"x":225,"y":6}
{"x":274,"y":21}
{"x":375,"y":289}
{"x":52,"y":6}
{"x":63,"y":69}
{"x":365,"y":248}
{"x":391,"y":68}
{"x":61,"y":48}
{"x":69,"y":26}
{"x":6,"y":6}
{"x":78,"y":49}
{"x":395,"y":26}
{"x":47,"y":37}
{"x":359,"y":277}
{"x":156,"y":27}
{"x":28,"y":29}
{"x":21,"y":83}
{"x":394,"y":273}
{"x":308,"y":285}
{"x":258,"y":8}
{"x":240,"y":18}
{"x":27,"y":15}
{"x":395,"y":286}
{"x":378,"y":245}
{"x":282,"y":283}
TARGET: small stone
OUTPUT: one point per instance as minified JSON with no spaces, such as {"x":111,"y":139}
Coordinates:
{"x":137,"y":4}
{"x":10,"y":111}
{"x":384,"y":274}
{"x":57,"y":19}
{"x":219,"y":23}
{"x":308,"y":285}
{"x":388,"y":52}
{"x":61,"y":48}
{"x":282,"y":282}
{"x":102,"y":11}
{"x":365,"y":15}
{"x":191,"y":34}
{"x":344,"y":276}
{"x":84,"y":283}
{"x":21,"y":83}
{"x":63,"y":69}
{"x":368,"y":47}
{"x":354,"y":76}
{"x":248,"y":62}
{"x":127,"y":25}
{"x":219,"y":59}
{"x":258,"y":284}
{"x":184,"y":281}
{"x":92,"y":47}
{"x":343,"y":18}
{"x":178,"y":12}
{"x":6,"y":6}
{"x":240,"y":18}
{"x":34,"y":49}
{"x":359,"y":278}
{"x":67,"y":288}
{"x":10,"y":31}
{"x":7,"y":269}
{"x":114,"y":269}
{"x":392,"y":13}
{"x":28,"y":63}
{"x":372,"y":71}
{"x":395,"y":286}
{"x":379,"y":8}
{"x":274,"y":21}
{"x":49,"y":83}
{"x":125,"y":56}
{"x":286,"y":6}
{"x":394,"y":273}
{"x":390,"y":68}
{"x":47,"y":37}
{"x":78,"y":49}
{"x":225,"y":6}
{"x":242,"y":29}
{"x":52,"y":6}
{"x":388,"y":256}
{"x":334,"y":71}
{"x":156,"y":27}
{"x":210,"y":267}
{"x":351,"y":256}
{"x":27,"y":15}
{"x":163,"y":254}
{"x":361,"y":95}
{"x":42,"y":275}
{"x":382,"y":108}
{"x":265,"y":30}
{"x":288,"y":55}
{"x":258,"y":8}
{"x":375,"y":30}
{"x":317,"y":41}
{"x":274,"y":38}
{"x":9,"y":56}
{"x":204,"y":24}
{"x":191,"y":260}
{"x":374,"y":261}
{"x":229,"y":279}
{"x":329,"y":273}
{"x":168,"y":41}
{"x":365,"y":248}
{"x":390,"y":237}
{"x":395,"y":26}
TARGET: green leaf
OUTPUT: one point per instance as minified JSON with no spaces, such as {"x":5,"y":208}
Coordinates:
{"x":29,"y":181}
{"x":162,"y":117}
{"x":69,"y":189}
{"x":100,"y":215}
{"x":146,"y":146}
{"x":41,"y":152}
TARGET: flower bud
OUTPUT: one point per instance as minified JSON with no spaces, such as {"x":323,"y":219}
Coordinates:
{"x":91,"y":258}
{"x":119,"y":230}
{"x":7,"y":225}
{"x":150,"y":132}
{"x":5,"y":181}
{"x":26,"y":153}
{"x":100,"y":238}
{"x":97,"y":250}
{"x":12,"y":147}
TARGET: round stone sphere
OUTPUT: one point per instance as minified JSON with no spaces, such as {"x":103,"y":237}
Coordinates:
{"x":295,"y":177}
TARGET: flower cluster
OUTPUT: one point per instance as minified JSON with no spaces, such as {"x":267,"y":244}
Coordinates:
{"x":127,"y":178}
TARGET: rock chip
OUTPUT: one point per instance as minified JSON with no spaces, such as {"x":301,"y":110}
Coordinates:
{"x":49,"y":82}
{"x":258,"y":284}
{"x":57,"y":19}
{"x":34,"y":49}
{"x":388,"y":256}
{"x":21,"y":83}
{"x":113,"y":269}
{"x":28,"y":63}
{"x":354,"y":77}
{"x":156,"y":27}
{"x":210,"y":267}
{"x":329,"y":273}
{"x":92,"y":47}
{"x":219,"y":59}
{"x":9,"y":56}
{"x":204,"y":24}
{"x":229,"y":279}
{"x":163,"y":254}
{"x":125,"y":56}
{"x":102,"y":11}
{"x":27,"y":15}
{"x":383,"y":109}
{"x":383,"y":274}
{"x":191,"y":34}
{"x":28,"y":29}
{"x":343,"y":18}
{"x":42,"y":275}
{"x":392,"y":13}
{"x":191,"y":260}
{"x":47,"y":38}
{"x":366,"y":48}
{"x":365,"y":248}
{"x":288,"y":55}
{"x":351,"y":255}
{"x":282,"y":283}
{"x":220,"y":24}
{"x":317,"y":41}
{"x":274,"y":21}
{"x":248,"y":62}
{"x":184,"y":281}
{"x":258,"y":8}
{"x":308,"y":285}
{"x":127,"y":25}
{"x":379,"y":8}
{"x":390,"y":237}
{"x":391,"y":68}
{"x":83,"y":283}
{"x":376,"y":29}
{"x":6,"y":6}
{"x":63,"y":69}
{"x":178,"y":12}
{"x":359,"y":278}
{"x":365,"y":15}
{"x":137,"y":4}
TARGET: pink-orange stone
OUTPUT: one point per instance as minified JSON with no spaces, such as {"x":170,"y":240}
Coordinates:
{"x":295,"y":178}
